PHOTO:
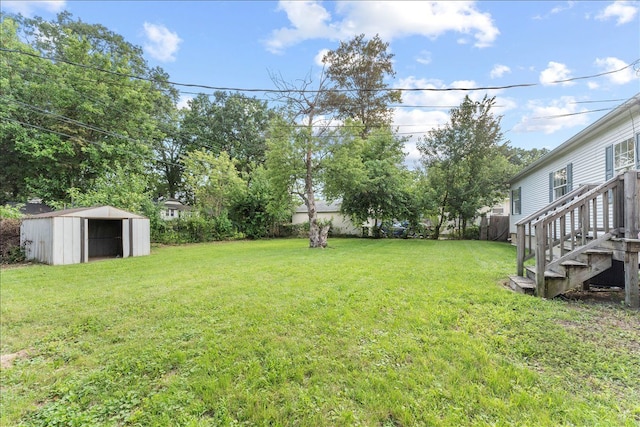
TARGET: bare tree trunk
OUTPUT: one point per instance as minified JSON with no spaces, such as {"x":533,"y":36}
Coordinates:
{"x":318,"y":233}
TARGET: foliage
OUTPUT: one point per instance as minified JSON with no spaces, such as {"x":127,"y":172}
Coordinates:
{"x":370,"y":178}
{"x":358,"y":69}
{"x":8,"y":211}
{"x":296,"y":149}
{"x":193,"y":229}
{"x":227,"y":122}
{"x":465,"y":163}
{"x":117,"y":188}
{"x":67,"y":124}
{"x":10,"y":249}
{"x":214,"y":181}
{"x":259,"y":211}
{"x":395,"y":332}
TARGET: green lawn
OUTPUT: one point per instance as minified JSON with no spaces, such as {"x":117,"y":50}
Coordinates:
{"x":365,"y":332}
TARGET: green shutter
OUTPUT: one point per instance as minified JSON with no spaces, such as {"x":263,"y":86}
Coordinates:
{"x":608,"y":162}
{"x":550,"y":187}
{"x":569,"y":177}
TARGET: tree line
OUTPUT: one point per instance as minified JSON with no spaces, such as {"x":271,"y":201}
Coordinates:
{"x":85,"y":120}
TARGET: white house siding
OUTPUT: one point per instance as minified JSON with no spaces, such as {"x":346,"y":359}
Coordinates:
{"x":587,"y":156}
{"x":340,"y":224}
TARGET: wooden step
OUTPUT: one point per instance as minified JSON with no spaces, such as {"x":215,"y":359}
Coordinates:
{"x":522,"y":285}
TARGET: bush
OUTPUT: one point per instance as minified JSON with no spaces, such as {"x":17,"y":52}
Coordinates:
{"x":10,"y":250}
{"x":472,"y":232}
{"x":193,"y":229}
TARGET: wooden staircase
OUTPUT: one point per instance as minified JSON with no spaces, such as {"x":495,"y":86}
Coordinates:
{"x":579,"y":236}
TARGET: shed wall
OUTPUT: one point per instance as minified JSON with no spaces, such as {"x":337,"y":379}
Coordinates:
{"x":141,"y":233}
{"x":67,"y":244}
{"x":36,"y":235}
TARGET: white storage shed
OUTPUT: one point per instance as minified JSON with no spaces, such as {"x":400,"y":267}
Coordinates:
{"x":72,"y":236}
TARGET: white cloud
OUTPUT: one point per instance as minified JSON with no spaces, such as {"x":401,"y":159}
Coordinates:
{"x":499,"y":70}
{"x":623,"y":11}
{"x":428,"y":109}
{"x":183,"y":102}
{"x":389,"y":19}
{"x":558,"y":115}
{"x":613,"y":64}
{"x":30,"y":8}
{"x":318,"y":58}
{"x":162,"y":44}
{"x":554,"y":74}
{"x":424,"y":57}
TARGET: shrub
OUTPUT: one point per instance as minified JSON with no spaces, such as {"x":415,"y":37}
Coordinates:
{"x":472,"y":232}
{"x":10,"y":250}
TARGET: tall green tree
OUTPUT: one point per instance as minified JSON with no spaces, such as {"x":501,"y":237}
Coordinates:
{"x":214,"y":181}
{"x":358,"y":71}
{"x":465,"y":163}
{"x":370,"y":178}
{"x":229,"y":122}
{"x":73,"y":113}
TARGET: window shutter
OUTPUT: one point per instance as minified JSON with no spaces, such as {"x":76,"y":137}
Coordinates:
{"x":569,"y":177}
{"x":519,"y":204}
{"x":550,"y":187}
{"x":608,"y":162}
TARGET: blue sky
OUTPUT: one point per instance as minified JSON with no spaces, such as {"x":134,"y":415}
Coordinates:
{"x":437,"y":45}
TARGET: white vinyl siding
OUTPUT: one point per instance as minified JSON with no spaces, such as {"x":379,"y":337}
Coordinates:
{"x":588,"y":167}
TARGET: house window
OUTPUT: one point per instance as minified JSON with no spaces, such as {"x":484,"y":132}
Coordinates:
{"x":624,"y":156}
{"x":560,"y":183}
{"x":516,"y":204}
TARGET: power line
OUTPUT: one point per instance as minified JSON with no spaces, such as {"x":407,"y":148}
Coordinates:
{"x":237,"y":89}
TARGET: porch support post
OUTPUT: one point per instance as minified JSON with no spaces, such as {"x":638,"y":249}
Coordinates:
{"x":631,"y":289}
{"x":632,"y":237}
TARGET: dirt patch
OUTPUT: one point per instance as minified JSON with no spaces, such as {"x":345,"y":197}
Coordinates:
{"x":614,"y":296}
{"x":6,"y":360}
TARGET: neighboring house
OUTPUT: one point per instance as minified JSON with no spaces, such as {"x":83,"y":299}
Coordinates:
{"x":32,"y":207}
{"x":79,"y":235}
{"x":581,"y":197}
{"x":340,"y":224}
{"x":172,"y":209}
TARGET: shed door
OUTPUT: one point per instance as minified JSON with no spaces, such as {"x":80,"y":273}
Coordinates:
{"x":105,"y":238}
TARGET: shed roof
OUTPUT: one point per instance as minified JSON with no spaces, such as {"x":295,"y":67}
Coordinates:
{"x":95,"y":212}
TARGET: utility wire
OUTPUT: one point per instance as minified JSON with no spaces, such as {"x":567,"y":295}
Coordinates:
{"x":236,"y":89}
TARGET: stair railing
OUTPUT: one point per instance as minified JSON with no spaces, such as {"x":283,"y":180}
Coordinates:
{"x":524,"y":228}
{"x":581,"y":222}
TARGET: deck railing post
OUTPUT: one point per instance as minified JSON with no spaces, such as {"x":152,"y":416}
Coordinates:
{"x":520,"y":248}
{"x":541,"y":249}
{"x":631,"y":201}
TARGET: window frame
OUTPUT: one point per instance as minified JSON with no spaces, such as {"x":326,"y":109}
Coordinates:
{"x":560,"y":184}
{"x":516,"y":201}
{"x":630,"y":153}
